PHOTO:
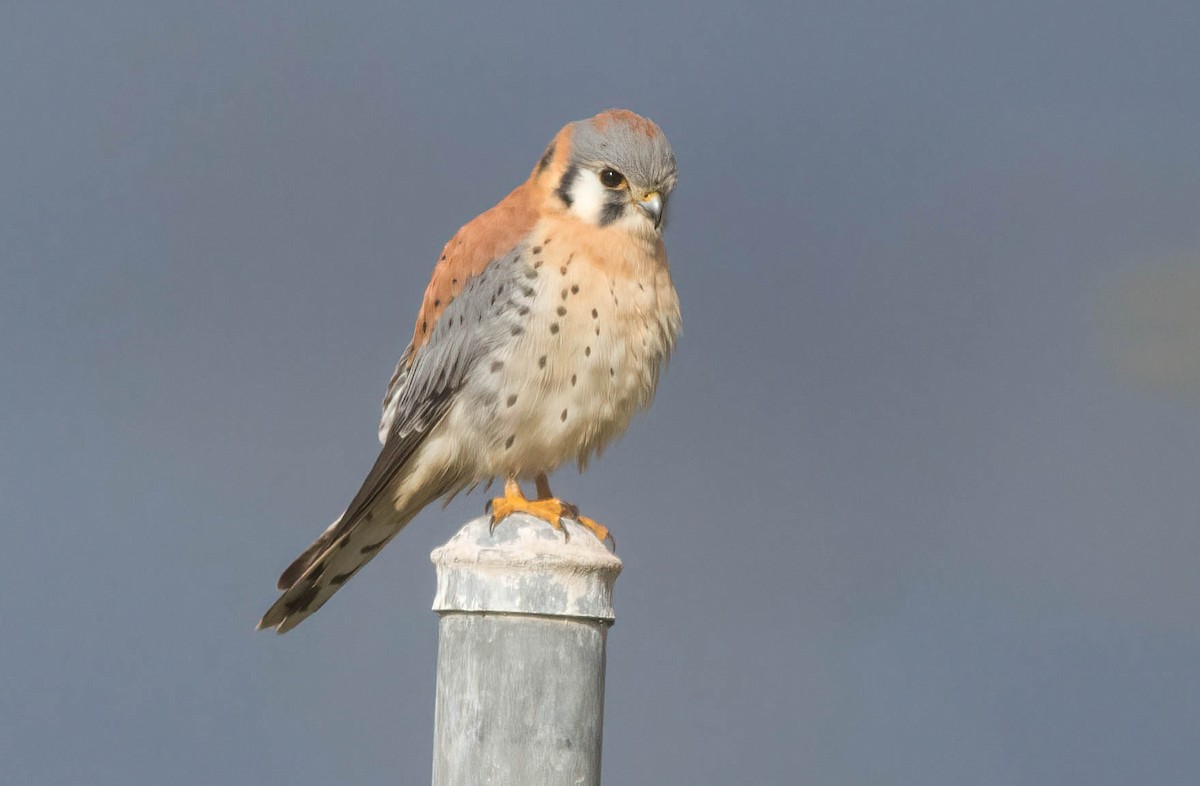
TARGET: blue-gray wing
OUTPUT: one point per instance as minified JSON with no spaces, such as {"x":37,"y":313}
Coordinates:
{"x":395,"y":385}
{"x":484,"y":316}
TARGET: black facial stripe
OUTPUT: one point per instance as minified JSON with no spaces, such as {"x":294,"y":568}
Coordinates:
{"x":564,"y":185}
{"x":545,"y":162}
{"x":614,"y":208}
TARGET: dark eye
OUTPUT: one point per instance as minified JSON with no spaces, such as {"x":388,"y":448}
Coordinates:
{"x":611,"y":178}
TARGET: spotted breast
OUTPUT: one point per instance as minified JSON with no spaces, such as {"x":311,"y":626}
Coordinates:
{"x":596,"y":325}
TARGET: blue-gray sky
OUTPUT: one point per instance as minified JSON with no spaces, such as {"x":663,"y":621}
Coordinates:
{"x":917,"y":503}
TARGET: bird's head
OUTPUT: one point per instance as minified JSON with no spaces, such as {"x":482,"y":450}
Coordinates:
{"x":614,"y":170}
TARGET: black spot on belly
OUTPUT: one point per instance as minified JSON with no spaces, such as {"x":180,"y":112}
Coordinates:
{"x":573,"y":378}
{"x":509,"y":442}
{"x":512,"y":400}
{"x":542,"y":362}
{"x":574,"y":289}
{"x":553,"y":327}
{"x":517,"y":330}
{"x":563,"y":416}
{"x":537,"y":249}
{"x":562,"y":312}
{"x":497,"y":365}
{"x":587,"y":352}
{"x":595,"y":314}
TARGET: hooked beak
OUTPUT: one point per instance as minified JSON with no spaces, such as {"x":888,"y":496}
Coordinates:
{"x":652,"y":206}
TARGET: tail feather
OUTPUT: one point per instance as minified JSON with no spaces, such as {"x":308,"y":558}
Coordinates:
{"x":301,"y":563}
{"x":328,"y":564}
{"x":371,"y":519}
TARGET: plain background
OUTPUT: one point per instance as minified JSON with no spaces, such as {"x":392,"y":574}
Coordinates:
{"x":917,"y":503}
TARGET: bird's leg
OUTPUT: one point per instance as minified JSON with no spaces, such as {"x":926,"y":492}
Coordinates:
{"x":543,"y":486}
{"x":549,"y":510}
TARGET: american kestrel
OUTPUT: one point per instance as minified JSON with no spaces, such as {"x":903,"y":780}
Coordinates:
{"x":543,"y":330}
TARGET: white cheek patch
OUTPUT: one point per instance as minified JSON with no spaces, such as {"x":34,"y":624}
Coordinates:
{"x":637,"y":222}
{"x":588,"y":196}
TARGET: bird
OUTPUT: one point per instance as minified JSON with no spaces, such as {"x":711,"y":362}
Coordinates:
{"x":545,"y":327}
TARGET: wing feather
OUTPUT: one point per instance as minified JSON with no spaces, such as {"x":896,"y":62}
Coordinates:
{"x":392,"y":396}
{"x":481,"y":318}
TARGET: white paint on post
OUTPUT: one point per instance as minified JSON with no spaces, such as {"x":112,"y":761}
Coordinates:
{"x":520,"y":681}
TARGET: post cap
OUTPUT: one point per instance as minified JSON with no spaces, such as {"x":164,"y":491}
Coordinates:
{"x":525,"y":567}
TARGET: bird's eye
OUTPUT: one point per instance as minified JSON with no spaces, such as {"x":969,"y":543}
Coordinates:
{"x":611,"y":178}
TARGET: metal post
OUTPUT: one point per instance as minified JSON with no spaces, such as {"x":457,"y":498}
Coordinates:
{"x":520,"y":675}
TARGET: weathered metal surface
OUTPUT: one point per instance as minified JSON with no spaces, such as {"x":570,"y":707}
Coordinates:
{"x":525,"y":567}
{"x":520,"y":685}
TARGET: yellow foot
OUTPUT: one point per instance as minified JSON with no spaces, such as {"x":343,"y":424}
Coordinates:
{"x":547,"y":508}
{"x":596,"y":528}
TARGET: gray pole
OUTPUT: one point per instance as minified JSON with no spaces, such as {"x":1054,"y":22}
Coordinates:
{"x":520,"y":675}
